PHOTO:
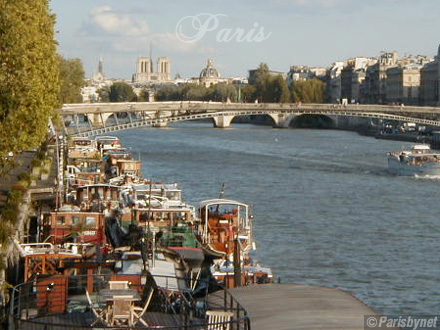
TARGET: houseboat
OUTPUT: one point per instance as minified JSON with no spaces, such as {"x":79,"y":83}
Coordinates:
{"x":226,"y":224}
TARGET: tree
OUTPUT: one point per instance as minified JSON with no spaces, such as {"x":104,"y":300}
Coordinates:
{"x":29,"y":88}
{"x":72,"y":79}
{"x":193,"y":92}
{"x":261,"y":81}
{"x":277,"y":90}
{"x":144,"y":95}
{"x":104,"y":94}
{"x":29,"y":73}
{"x":308,"y":91}
{"x":169,"y":93}
{"x":249,"y":93}
{"x":121,"y":92}
{"x":221,"y":93}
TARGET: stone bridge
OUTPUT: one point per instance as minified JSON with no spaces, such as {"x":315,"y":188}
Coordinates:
{"x":140,"y":114}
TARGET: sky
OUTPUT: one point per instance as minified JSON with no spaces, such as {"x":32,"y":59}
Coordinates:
{"x":240,"y":34}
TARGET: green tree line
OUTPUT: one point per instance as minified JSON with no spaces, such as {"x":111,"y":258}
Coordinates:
{"x":269,"y":88}
{"x":195,"y":92}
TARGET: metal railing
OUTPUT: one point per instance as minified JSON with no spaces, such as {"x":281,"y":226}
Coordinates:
{"x":59,"y":302}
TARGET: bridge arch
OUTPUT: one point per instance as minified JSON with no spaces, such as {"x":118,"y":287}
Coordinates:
{"x":265,"y":119}
{"x":312,"y":121}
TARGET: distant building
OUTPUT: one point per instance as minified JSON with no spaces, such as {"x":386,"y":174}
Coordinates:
{"x":99,"y":77}
{"x":334,"y":83}
{"x":352,"y":78}
{"x":375,"y":80}
{"x":90,"y":94}
{"x":99,"y":80}
{"x":210,"y":75}
{"x":145,"y":73}
{"x":403,"y":84}
{"x":297,"y":73}
{"x":430,"y":82}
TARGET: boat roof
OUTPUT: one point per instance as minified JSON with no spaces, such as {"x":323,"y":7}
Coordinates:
{"x":166,"y":186}
{"x":169,"y":209}
{"x":421,"y":147}
{"x":221,"y":201}
{"x":97,"y":185}
{"x":106,"y":138}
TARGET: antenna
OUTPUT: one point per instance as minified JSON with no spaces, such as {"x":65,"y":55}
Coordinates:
{"x":222,"y":191}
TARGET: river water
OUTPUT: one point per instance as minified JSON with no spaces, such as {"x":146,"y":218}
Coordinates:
{"x":327,"y":212}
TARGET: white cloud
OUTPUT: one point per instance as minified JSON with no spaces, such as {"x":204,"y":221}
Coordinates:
{"x":112,"y":22}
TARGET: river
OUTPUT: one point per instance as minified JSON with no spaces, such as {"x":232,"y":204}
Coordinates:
{"x":327,"y":212}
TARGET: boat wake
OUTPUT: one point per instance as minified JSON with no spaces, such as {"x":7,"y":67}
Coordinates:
{"x":427,"y":177}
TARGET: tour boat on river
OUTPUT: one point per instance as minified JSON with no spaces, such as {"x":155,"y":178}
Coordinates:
{"x":418,"y":161}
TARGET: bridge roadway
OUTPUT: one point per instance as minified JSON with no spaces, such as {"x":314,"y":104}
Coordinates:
{"x":91,"y":108}
{"x":160,"y":113}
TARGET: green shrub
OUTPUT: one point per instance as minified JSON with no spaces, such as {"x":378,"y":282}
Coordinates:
{"x":36,"y":162}
{"x":5,"y":232}
{"x":24,"y":177}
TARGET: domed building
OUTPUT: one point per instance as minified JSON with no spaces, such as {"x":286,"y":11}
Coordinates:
{"x":209,"y":75}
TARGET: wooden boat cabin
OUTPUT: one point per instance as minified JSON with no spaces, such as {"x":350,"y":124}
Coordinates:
{"x":83,"y":171}
{"x":82,"y":147}
{"x":98,"y":197}
{"x":162,"y":195}
{"x":73,"y":225}
{"x":161,"y":219}
{"x":223,"y":221}
{"x":107,"y":143}
{"x":45,"y":258}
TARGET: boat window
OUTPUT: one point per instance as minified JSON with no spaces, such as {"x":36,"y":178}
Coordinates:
{"x":143,"y":217}
{"x":173,"y":195}
{"x":90,"y":221}
{"x":61,"y":220}
{"x":76,"y":220}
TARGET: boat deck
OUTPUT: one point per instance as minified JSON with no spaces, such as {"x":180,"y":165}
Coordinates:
{"x":82,"y":320}
{"x":286,"y":306}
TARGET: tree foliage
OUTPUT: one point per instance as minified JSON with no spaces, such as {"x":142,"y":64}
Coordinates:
{"x":277,"y":90}
{"x":261,"y":82}
{"x":72,"y":79}
{"x":194,"y":92}
{"x":144,"y":95}
{"x":104,"y":94}
{"x":308,"y":91}
{"x":249,"y":93}
{"x":121,"y":92}
{"x":268,"y":88}
{"x":29,"y":74}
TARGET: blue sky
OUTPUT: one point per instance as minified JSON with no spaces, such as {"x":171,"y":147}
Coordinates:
{"x":295,"y":32}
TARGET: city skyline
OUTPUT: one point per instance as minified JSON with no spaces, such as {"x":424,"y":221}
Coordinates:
{"x":299,"y":32}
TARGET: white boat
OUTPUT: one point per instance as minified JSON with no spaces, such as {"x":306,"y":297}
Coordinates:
{"x":418,"y":161}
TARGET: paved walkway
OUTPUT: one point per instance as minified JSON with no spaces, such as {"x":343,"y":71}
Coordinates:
{"x":288,"y":307}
